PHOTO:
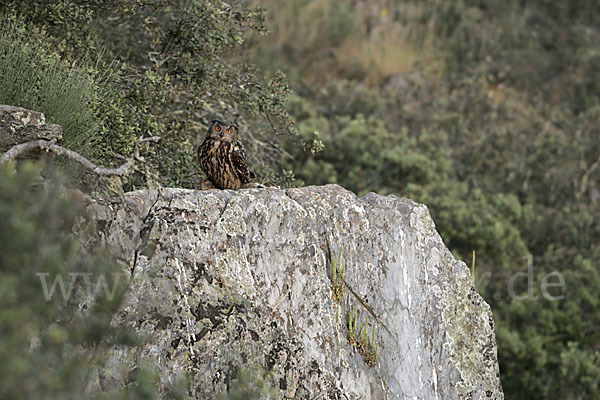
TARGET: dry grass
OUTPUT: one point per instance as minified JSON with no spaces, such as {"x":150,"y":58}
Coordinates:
{"x":379,"y":57}
{"x":326,"y":39}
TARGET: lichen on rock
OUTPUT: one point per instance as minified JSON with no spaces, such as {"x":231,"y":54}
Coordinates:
{"x":19,"y":125}
{"x":226,"y":280}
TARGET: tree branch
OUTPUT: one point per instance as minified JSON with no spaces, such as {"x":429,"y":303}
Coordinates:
{"x":585,"y":179}
{"x":50,"y":145}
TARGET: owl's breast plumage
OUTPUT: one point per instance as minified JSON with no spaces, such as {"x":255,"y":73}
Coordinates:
{"x":224,"y":163}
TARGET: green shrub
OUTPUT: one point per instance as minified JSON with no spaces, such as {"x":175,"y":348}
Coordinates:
{"x":158,"y":72}
{"x":252,"y":383}
{"x":33,"y":76}
{"x":53,"y":347}
{"x":500,"y":141}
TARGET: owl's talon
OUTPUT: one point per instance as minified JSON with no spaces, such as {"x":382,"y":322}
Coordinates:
{"x":207,"y":184}
{"x":252,"y":185}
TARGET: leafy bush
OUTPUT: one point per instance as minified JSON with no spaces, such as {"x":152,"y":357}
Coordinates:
{"x":251,"y":383}
{"x":547,"y":48}
{"x":485,"y":111}
{"x":34,"y":77}
{"x":158,"y":72}
{"x":53,"y":347}
{"x":498,"y":135}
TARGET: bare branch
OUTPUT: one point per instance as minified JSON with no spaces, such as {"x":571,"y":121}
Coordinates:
{"x":50,"y":145}
{"x":585,"y":178}
{"x":24,"y":148}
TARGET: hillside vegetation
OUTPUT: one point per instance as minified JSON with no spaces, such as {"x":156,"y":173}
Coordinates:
{"x":486,"y":111}
{"x":489,"y":113}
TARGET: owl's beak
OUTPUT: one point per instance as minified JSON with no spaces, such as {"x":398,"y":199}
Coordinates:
{"x":221,"y":134}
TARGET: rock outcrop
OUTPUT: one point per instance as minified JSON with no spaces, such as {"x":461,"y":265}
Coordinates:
{"x":223,"y":281}
{"x":236,"y":288}
{"x":18,"y":125}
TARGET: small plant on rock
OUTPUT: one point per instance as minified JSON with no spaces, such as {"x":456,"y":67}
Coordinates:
{"x":358,"y":338}
{"x":337,"y":277}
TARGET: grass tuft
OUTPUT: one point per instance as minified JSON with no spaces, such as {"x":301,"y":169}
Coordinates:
{"x":337,"y":277}
{"x":359,"y":338}
{"x":35,"y":78}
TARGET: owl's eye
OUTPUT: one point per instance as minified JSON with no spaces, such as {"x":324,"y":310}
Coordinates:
{"x":217,"y":128}
{"x":228,"y":130}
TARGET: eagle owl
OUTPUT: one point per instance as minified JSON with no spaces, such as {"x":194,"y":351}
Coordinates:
{"x":223,"y":158}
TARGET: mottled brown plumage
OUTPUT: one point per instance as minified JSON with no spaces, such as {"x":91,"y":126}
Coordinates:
{"x":223,"y":159}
